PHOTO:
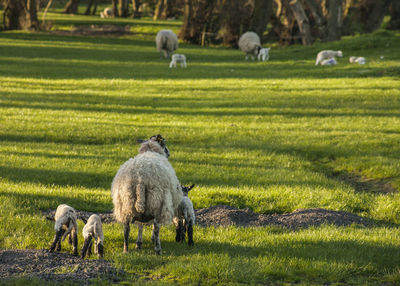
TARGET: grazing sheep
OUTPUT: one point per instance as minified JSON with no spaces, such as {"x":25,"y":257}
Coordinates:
{"x":329,"y":62}
{"x":263,"y":54}
{"x":185,"y":219}
{"x":107,"y":13}
{"x":166,"y":41}
{"x":359,"y":60}
{"x":66,"y":224}
{"x":146,"y":188}
{"x":93,"y":230}
{"x":178,"y":58}
{"x":327,"y":54}
{"x":249,"y":43}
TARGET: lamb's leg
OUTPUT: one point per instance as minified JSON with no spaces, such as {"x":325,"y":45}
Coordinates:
{"x":85,"y":247}
{"x":74,"y":242}
{"x":156,"y":233}
{"x":190,"y":233}
{"x":183,"y":231}
{"x":178,"y":236}
{"x":139,"y":240}
{"x":57,"y":238}
{"x":90,"y":248}
{"x":126,"y":236}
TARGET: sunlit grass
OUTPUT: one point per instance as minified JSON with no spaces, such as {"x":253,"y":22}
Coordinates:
{"x":268,"y":136}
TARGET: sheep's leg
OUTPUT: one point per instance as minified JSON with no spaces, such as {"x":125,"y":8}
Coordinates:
{"x":182,"y":231}
{"x":178,"y":236}
{"x":85,"y":247}
{"x":74,"y":242}
{"x":139,"y":240}
{"x":190,"y":233}
{"x":126,"y":236}
{"x":156,"y":233}
{"x":90,"y":248}
{"x":57,"y":238}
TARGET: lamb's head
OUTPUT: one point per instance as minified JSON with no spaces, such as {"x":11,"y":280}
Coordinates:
{"x":156,"y":143}
{"x":339,"y":54}
{"x":185,"y":190}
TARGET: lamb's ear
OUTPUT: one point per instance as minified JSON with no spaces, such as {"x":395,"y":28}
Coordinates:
{"x":191,"y":187}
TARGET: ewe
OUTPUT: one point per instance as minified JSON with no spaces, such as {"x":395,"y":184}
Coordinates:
{"x":249,"y":43}
{"x":66,"y":224}
{"x":166,"y":41}
{"x":146,"y":188}
{"x":93,"y":230}
{"x":327,"y":54}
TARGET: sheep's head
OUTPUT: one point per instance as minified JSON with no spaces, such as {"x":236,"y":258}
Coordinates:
{"x":339,"y":54}
{"x":185,"y":190}
{"x":161,"y":142}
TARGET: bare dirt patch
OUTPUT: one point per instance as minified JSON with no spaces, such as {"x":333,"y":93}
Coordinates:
{"x":364,"y":184}
{"x":54,"y":267}
{"x":96,"y":30}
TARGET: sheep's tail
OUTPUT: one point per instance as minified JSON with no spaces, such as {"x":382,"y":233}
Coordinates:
{"x":140,"y":203}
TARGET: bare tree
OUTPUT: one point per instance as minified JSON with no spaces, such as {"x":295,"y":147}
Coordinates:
{"x":20,"y":15}
{"x":394,"y":10}
{"x":302,"y":22}
{"x":334,"y":19}
{"x":71,"y":7}
{"x":89,"y":10}
{"x":123,"y":8}
{"x":136,"y":6}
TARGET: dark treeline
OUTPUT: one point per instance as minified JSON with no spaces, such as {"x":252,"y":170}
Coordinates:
{"x":223,"y":21}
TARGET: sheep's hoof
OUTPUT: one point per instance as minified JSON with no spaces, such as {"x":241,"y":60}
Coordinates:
{"x":138,"y":245}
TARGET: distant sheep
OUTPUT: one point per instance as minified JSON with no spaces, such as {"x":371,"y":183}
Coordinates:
{"x":329,"y":62}
{"x":107,"y":13}
{"x":93,"y":230}
{"x":146,"y":188}
{"x":263,"y":54}
{"x":327,"y":54}
{"x":358,"y":60}
{"x":167,"y":42}
{"x":178,"y":58}
{"x":185,"y":218}
{"x":249,"y":43}
{"x":66,"y":224}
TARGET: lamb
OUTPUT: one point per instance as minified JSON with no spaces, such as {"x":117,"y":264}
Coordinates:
{"x":250,"y":44}
{"x":263,"y":54}
{"x":166,"y":41}
{"x":327,"y":54}
{"x":359,"y":60}
{"x":66,"y":224}
{"x":146,"y":189}
{"x":185,"y":218}
{"x":329,"y":62}
{"x":178,"y":58}
{"x":107,"y":13}
{"x":93,"y":230}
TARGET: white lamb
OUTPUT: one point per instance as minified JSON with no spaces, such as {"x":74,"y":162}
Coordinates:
{"x":249,"y":43}
{"x":167,"y":42}
{"x":185,"y":218}
{"x":329,"y":62}
{"x":327,"y":54}
{"x":107,"y":13}
{"x":178,"y":58}
{"x":359,"y":60}
{"x":93,"y":230}
{"x":66,"y":224}
{"x":263,"y":54}
{"x":146,"y":188}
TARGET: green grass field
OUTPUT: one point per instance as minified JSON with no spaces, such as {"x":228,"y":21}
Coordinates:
{"x":273,"y":136}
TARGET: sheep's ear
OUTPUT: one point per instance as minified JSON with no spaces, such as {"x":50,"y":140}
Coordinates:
{"x":191,"y":187}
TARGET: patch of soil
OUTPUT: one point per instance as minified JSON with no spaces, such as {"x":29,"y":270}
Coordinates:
{"x":97,"y":30}
{"x":54,"y":267}
{"x":364,"y":184}
{"x":302,"y":218}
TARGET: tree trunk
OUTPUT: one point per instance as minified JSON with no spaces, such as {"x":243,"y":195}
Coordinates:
{"x":302,"y":21}
{"x":136,"y":6}
{"x":123,"y":10}
{"x":394,"y":10}
{"x":71,"y":7}
{"x":20,"y":15}
{"x":89,"y":7}
{"x":334,"y":19}
{"x":261,"y":16}
{"x":159,"y":10}
{"x":115,"y":7}
{"x":318,"y":17}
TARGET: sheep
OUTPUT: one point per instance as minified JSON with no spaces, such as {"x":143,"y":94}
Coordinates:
{"x":185,"y":218}
{"x":263,"y":54}
{"x":93,"y":230}
{"x":66,"y":224}
{"x":146,"y":189}
{"x":327,"y":54}
{"x":107,"y":13}
{"x":166,"y":41}
{"x":359,"y":60}
{"x":249,"y":43}
{"x":178,"y":58}
{"x":329,"y":62}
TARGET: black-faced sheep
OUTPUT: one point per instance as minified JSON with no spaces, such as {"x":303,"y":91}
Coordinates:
{"x":185,"y":218}
{"x":66,"y":224}
{"x":167,"y":42}
{"x":327,"y":54}
{"x":249,"y":43}
{"x":146,"y":188}
{"x":93,"y":230}
{"x":178,"y":58}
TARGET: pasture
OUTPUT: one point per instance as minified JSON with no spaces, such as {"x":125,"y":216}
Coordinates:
{"x":272,"y":136}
